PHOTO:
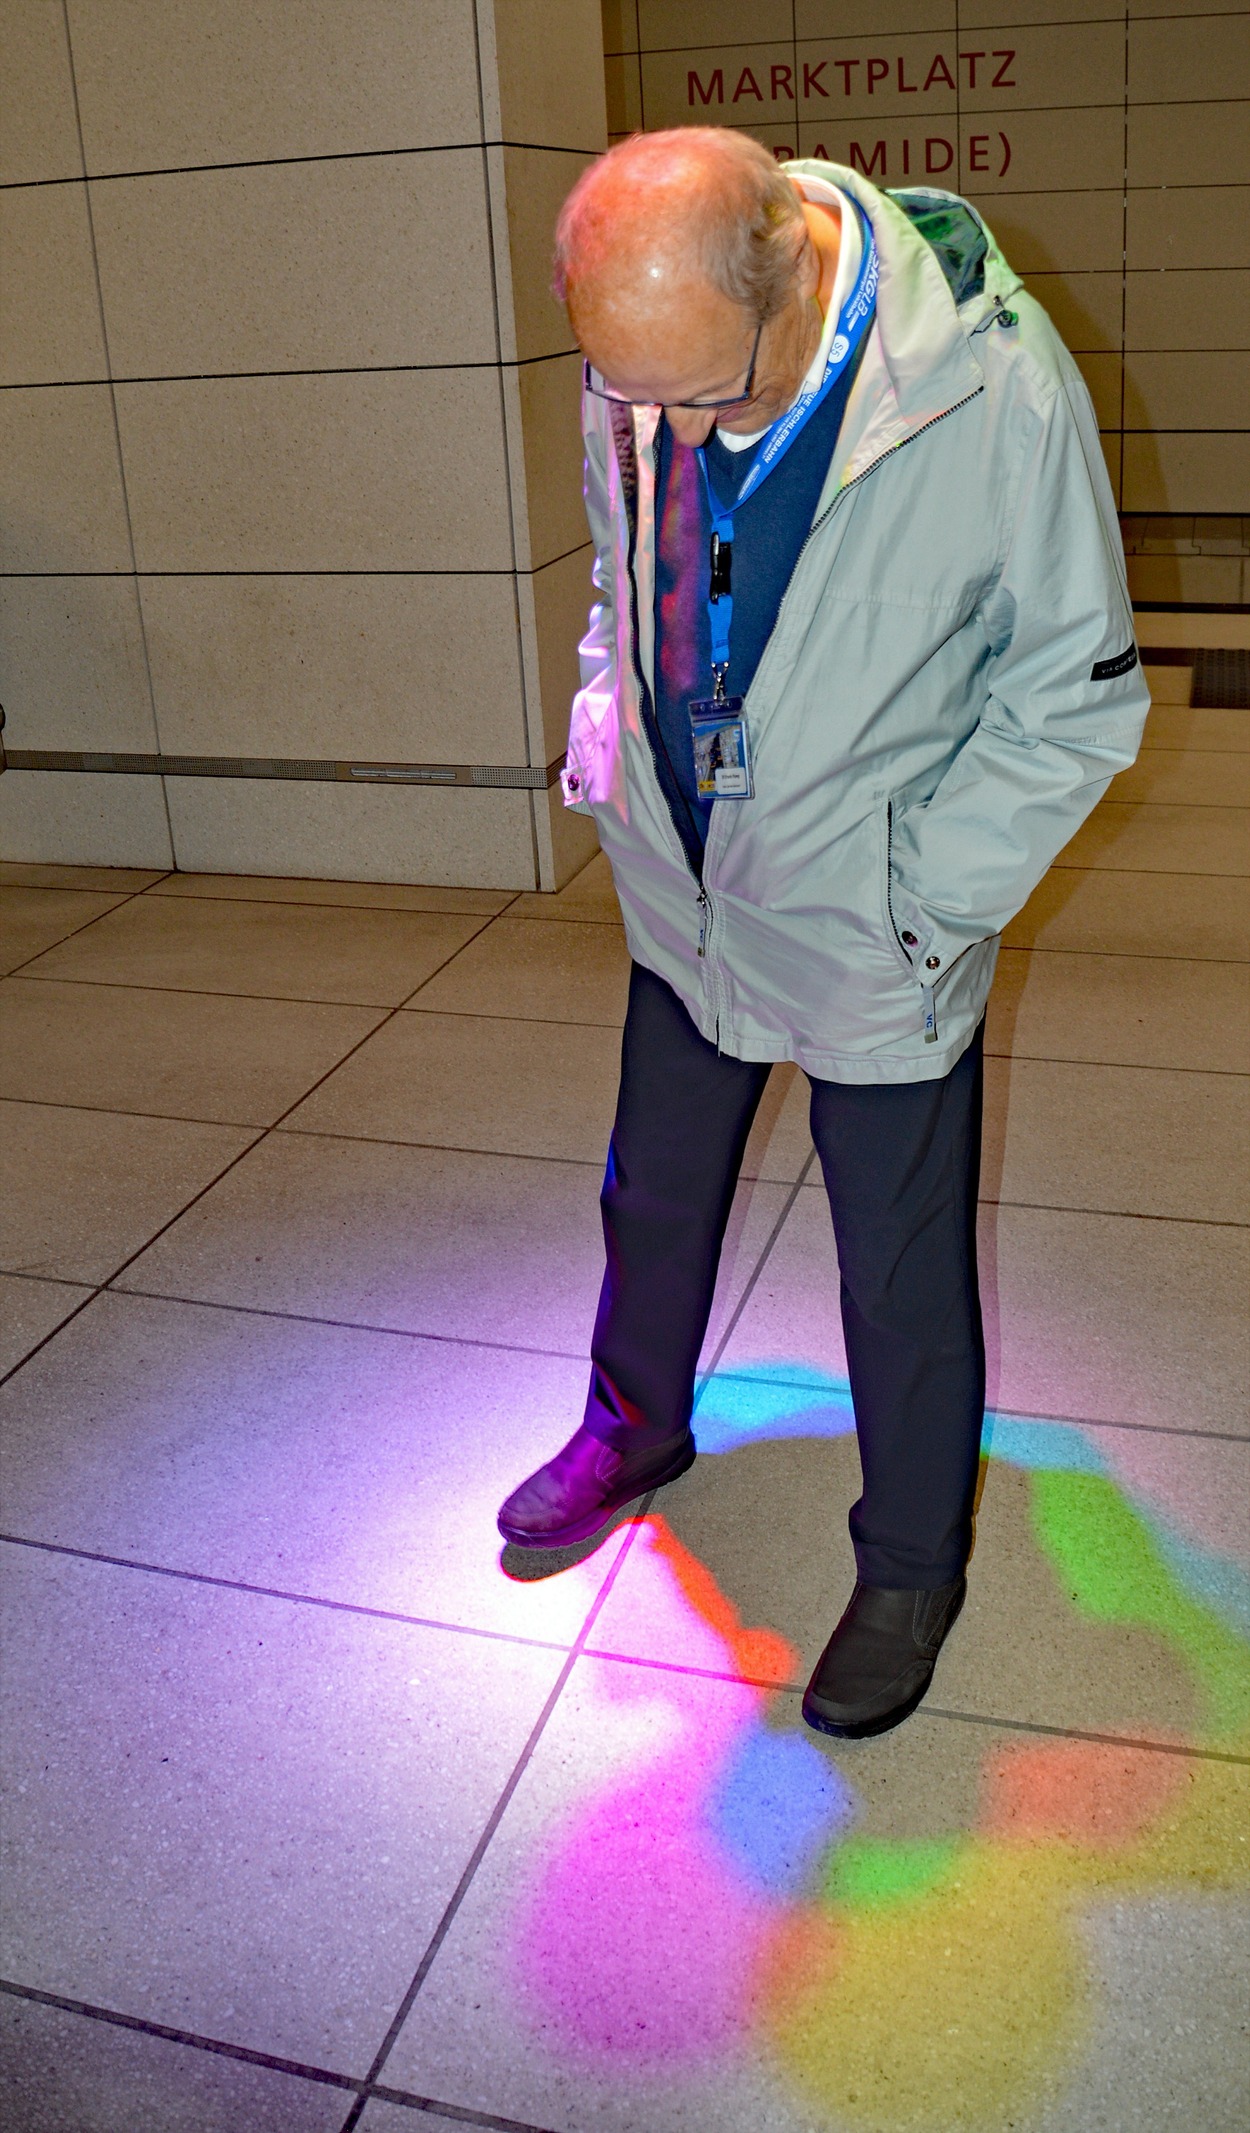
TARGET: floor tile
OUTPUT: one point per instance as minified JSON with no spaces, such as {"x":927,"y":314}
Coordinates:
{"x":362,"y":895}
{"x":1123,"y":1140}
{"x":1109,"y":1589}
{"x":1126,"y":1010}
{"x":590,"y":895}
{"x":67,"y":2073}
{"x":32,"y":919}
{"x":518,"y":1087}
{"x":542,"y":971}
{"x":279,"y":951}
{"x":1187,"y":778}
{"x":236,"y":1815}
{"x":29,"y":1311}
{"x":1159,"y":839}
{"x":83,"y":1190}
{"x":1186,"y":915}
{"x":1103,"y":1317}
{"x":781,"y":1138}
{"x":36,"y":874}
{"x":362,"y":1467}
{"x":842,"y":1935}
{"x":183,"y":1054}
{"x":420,"y":1240}
{"x":1117,"y":1319}
{"x":475,"y":1081}
{"x":1177,"y":726}
{"x":1172,"y":1973}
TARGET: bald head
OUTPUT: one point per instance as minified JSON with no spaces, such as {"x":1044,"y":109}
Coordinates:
{"x":664,"y":211}
{"x":687,"y":264}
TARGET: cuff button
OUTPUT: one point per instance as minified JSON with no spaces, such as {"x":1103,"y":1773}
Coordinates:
{"x":932,"y":962}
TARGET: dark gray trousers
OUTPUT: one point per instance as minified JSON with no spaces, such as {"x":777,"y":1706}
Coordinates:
{"x":901,"y":1163}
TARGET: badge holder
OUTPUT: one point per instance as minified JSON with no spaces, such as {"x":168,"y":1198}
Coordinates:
{"x":722,"y":749}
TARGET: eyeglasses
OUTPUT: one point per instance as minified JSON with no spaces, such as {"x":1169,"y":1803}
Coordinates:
{"x":594,"y":384}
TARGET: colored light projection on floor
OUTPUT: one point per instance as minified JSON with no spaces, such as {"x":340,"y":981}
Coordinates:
{"x":717,"y":1901}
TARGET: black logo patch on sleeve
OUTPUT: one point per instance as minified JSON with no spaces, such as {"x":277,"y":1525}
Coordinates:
{"x":1107,"y":669}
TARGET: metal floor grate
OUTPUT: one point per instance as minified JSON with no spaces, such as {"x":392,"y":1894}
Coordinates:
{"x":1221,"y":680}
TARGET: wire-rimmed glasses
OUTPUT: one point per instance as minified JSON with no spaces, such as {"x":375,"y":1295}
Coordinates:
{"x":596,"y":385}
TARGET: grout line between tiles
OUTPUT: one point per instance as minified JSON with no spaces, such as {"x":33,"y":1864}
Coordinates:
{"x":124,"y":896}
{"x":278,"y":1592}
{"x":928,"y":1710}
{"x":496,"y":1816}
{"x":344,"y":155}
{"x":100,"y":1287}
{"x":347,"y":1325}
{"x":270,"y":2062}
{"x":335,"y":370}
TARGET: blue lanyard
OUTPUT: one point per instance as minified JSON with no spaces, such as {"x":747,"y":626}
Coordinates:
{"x":773,"y":447}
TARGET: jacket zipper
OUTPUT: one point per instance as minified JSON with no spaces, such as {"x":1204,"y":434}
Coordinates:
{"x":649,"y":718}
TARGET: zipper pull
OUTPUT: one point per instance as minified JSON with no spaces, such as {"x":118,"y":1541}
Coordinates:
{"x":703,"y":919}
{"x":930,"y":1014}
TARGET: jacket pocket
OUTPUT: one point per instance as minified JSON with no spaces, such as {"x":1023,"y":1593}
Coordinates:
{"x":889,"y":810}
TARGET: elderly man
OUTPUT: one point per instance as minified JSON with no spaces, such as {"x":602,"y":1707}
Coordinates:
{"x":862,"y":662}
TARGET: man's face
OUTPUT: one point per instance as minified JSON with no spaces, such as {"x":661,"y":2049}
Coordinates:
{"x":683,"y":340}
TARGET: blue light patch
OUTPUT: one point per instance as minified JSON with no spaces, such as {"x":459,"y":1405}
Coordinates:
{"x":776,"y":1400}
{"x":775,"y":1807}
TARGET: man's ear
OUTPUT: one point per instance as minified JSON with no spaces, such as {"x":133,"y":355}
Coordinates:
{"x":808,"y":267}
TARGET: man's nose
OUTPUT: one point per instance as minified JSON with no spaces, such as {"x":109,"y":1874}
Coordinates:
{"x":690,"y":425}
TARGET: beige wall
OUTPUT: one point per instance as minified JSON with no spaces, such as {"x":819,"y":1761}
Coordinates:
{"x":1108,"y":149}
{"x":289,"y":430}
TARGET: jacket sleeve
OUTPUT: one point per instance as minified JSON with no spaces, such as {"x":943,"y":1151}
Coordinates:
{"x":1064,"y":707}
{"x":594,"y":704}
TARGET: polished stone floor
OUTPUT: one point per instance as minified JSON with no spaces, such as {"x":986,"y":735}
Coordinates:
{"x":320,"y":1814}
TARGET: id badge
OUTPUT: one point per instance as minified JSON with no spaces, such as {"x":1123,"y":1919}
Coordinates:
{"x":722,"y":749}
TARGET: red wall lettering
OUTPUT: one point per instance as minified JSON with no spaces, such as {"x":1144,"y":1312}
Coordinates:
{"x":931,"y":146}
{"x":846,"y":65}
{"x":857,"y":158}
{"x":978,"y":151}
{"x":715,"y":87}
{"x":784,"y":76}
{"x":972,"y":58}
{"x":878,"y":70}
{"x":1000,"y":80}
{"x":811,"y":78}
{"x":747,"y":86}
{"x":905,"y":88}
{"x":939,"y":71}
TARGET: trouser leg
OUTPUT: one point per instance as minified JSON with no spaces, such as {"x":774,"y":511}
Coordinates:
{"x":901,"y":1162}
{"x":682,"y":1120}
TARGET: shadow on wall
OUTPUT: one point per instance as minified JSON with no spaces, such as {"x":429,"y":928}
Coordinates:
{"x":896,"y":1929}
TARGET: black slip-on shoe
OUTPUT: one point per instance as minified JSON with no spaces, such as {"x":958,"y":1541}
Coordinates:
{"x":879,"y":1661}
{"x":576,"y":1493}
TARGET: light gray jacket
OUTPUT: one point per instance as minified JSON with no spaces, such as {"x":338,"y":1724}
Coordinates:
{"x":931,"y":720}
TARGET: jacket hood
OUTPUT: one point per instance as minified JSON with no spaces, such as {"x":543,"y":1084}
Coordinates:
{"x":923,"y":340}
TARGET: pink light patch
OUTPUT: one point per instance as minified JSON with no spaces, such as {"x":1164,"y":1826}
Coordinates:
{"x":637,"y":1942}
